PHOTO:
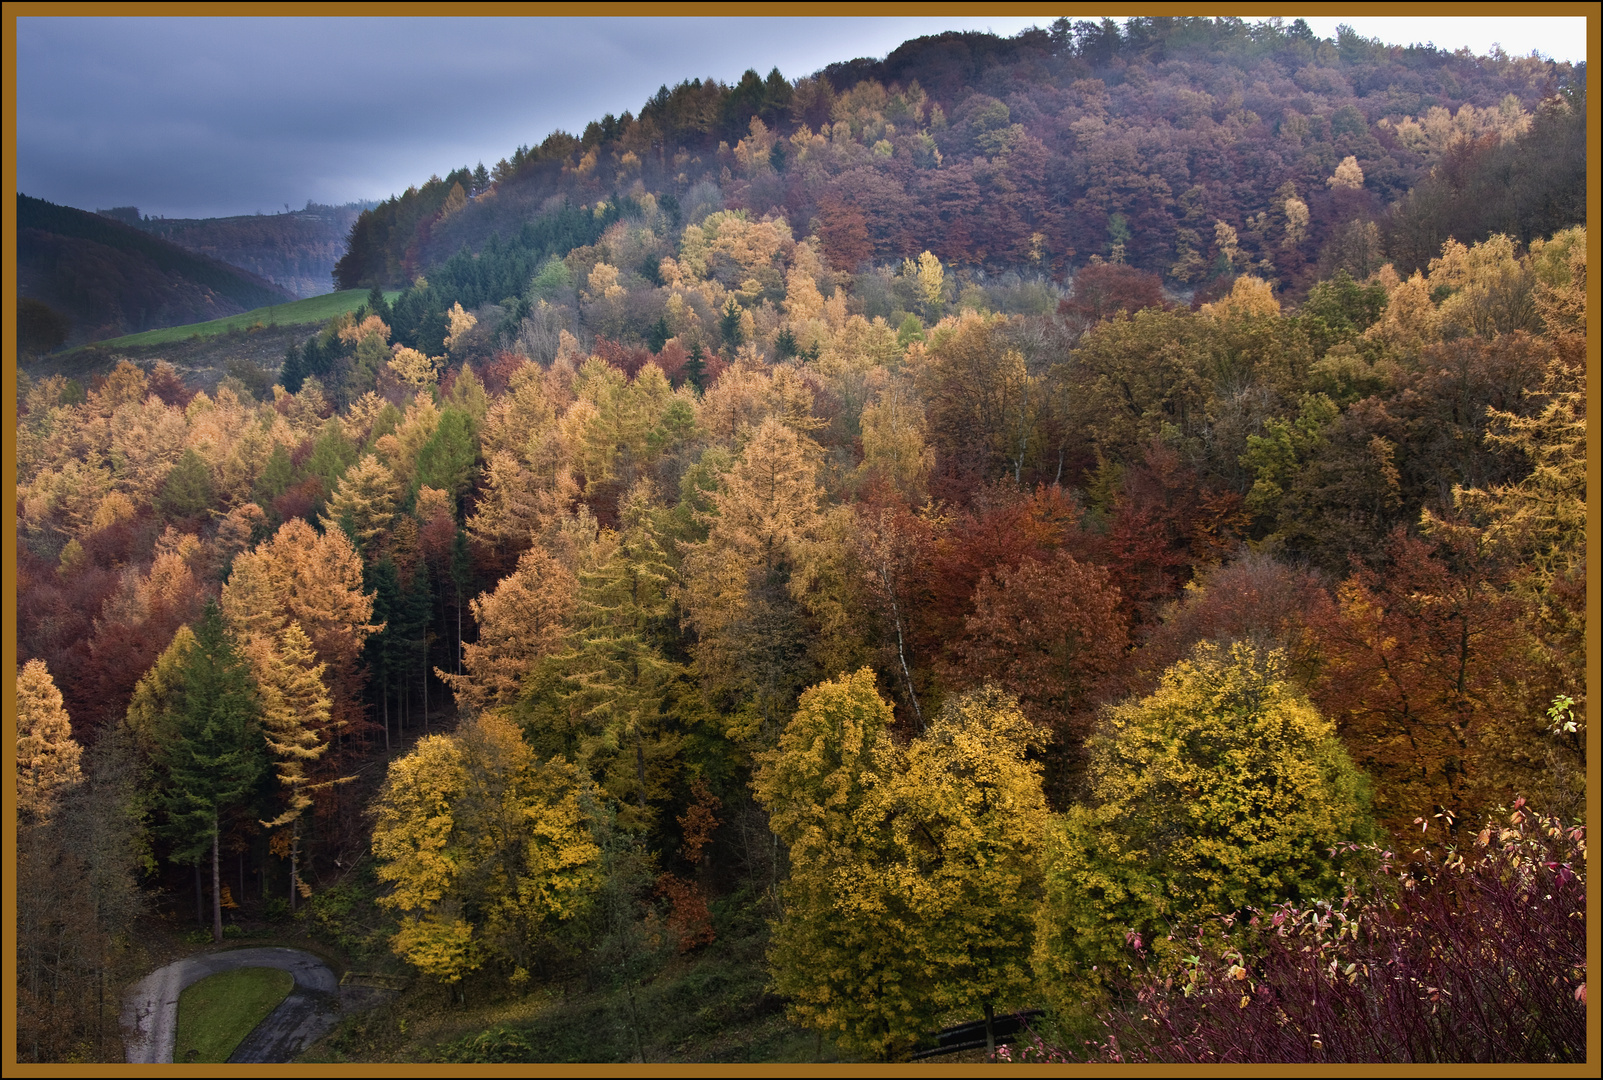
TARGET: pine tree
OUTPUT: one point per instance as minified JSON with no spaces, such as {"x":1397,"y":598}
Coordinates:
{"x":729,"y":323}
{"x":659,"y":334}
{"x":785,"y":345}
{"x":383,"y":583}
{"x":377,"y":305}
{"x":450,"y":459}
{"x":187,"y":490}
{"x":217,"y":754}
{"x":158,"y":696}
{"x":332,"y":454}
{"x":519,"y":622}
{"x":275,"y":477}
{"x":696,"y":368}
{"x":293,"y":371}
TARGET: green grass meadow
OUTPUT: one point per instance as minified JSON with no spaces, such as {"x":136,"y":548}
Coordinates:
{"x":215,"y":1014}
{"x":316,"y":309}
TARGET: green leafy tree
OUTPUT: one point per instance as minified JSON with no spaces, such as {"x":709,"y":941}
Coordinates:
{"x":363,"y":504}
{"x":837,"y":973}
{"x":332,"y":454}
{"x":615,"y":685}
{"x":1223,"y":790}
{"x":187,"y":490}
{"x":953,"y":873}
{"x":216,"y":755}
{"x":158,"y":696}
{"x":275,"y":478}
{"x":450,"y":459}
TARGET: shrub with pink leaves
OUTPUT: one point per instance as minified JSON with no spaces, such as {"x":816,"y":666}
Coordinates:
{"x":1472,"y":952}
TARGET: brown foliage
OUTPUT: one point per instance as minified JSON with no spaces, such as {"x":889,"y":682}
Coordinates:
{"x":699,"y":821}
{"x":1100,"y":290}
{"x":1000,"y":528}
{"x":844,"y":232}
{"x":1165,"y":524}
{"x":1432,"y":682}
{"x":1052,"y":632}
{"x":689,"y":920}
{"x":1252,"y":598}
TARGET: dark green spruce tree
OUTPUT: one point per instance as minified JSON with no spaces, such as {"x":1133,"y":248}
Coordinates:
{"x":377,"y":305}
{"x":696,"y":367}
{"x":218,"y":752}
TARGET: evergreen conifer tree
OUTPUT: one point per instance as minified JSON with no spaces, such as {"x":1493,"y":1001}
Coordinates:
{"x":616,"y":676}
{"x":275,"y":478}
{"x":293,"y":373}
{"x":729,"y":323}
{"x":217,"y":754}
{"x":376,"y":305}
{"x":696,"y":368}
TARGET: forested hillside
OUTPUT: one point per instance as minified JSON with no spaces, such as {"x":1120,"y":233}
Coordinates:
{"x":1044,"y":150}
{"x":1058,"y":535}
{"x":84,"y":277}
{"x":296,"y":250}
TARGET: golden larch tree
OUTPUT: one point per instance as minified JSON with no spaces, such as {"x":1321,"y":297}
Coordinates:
{"x":47,"y":754}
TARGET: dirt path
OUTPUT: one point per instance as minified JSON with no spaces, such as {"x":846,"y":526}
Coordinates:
{"x":150,"y":1008}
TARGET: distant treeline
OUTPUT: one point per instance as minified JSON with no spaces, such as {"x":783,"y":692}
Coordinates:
{"x":296,"y":250}
{"x":1188,"y":147}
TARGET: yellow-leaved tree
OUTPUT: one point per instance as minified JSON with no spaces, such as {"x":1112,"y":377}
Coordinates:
{"x":363,"y":503}
{"x":316,"y":581}
{"x":155,"y":697}
{"x":915,"y":871}
{"x":953,"y":874}
{"x":295,"y":709}
{"x":521,"y":621}
{"x":486,"y":848}
{"x":745,"y":586}
{"x":1225,"y":789}
{"x":837,"y":974}
{"x":47,"y":754}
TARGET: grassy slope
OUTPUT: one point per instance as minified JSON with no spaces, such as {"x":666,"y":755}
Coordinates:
{"x":317,"y":309}
{"x":216,"y":1013}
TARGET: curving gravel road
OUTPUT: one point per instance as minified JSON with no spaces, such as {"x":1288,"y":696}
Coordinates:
{"x":150,"y":1008}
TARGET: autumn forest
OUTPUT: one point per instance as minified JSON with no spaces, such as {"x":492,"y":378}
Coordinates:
{"x":1087,"y":526}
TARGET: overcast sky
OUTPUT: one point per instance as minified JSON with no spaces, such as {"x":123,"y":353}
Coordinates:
{"x":198,"y":117}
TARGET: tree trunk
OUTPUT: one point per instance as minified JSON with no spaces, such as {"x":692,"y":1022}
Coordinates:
{"x":990,"y":1032}
{"x":294,"y":865}
{"x":384,"y":692}
{"x":217,"y":893}
{"x":901,"y":652}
